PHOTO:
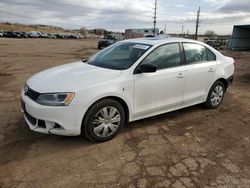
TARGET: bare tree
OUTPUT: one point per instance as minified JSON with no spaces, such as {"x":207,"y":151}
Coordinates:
{"x":210,"y":33}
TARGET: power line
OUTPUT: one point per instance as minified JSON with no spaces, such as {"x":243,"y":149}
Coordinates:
{"x":6,"y":12}
{"x":39,"y":19}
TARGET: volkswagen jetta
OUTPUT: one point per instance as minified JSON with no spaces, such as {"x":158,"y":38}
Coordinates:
{"x":128,"y":81}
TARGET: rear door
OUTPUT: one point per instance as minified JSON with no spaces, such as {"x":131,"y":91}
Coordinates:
{"x":200,"y":72}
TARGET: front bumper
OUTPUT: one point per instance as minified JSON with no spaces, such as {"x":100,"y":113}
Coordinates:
{"x":63,"y":120}
{"x":230,"y":80}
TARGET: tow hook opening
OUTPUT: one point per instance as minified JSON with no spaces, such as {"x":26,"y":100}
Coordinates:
{"x":57,"y":126}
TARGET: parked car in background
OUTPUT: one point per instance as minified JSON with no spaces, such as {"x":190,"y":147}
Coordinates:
{"x":74,"y":36}
{"x":26,"y":35}
{"x":38,"y":34}
{"x":34,"y":34}
{"x":106,"y":41}
{"x":43,"y":35}
{"x":212,"y":43}
{"x":18,"y":34}
{"x":128,"y":81}
{"x":52,"y":36}
{"x":59,"y":36}
{"x":21,"y":34}
{"x":11,"y":34}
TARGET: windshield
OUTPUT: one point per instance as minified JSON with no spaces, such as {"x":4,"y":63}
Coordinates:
{"x":119,"y":56}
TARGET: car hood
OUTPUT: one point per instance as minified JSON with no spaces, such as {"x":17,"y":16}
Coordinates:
{"x":70,"y":77}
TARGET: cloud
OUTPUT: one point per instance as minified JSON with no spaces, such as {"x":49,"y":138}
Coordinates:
{"x":68,"y":10}
{"x":236,"y":6}
{"x":122,"y":14}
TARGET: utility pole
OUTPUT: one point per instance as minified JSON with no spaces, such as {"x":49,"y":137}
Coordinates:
{"x":197,"y":23}
{"x":182,"y":29}
{"x":165,"y":29}
{"x":155,"y":9}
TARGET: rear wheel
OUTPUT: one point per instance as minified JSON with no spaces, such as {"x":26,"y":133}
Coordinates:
{"x":215,"y":95}
{"x":103,"y":120}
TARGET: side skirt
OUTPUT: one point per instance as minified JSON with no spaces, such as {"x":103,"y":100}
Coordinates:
{"x":167,"y":110}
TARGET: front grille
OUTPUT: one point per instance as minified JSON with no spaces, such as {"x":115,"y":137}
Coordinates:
{"x":32,"y":94}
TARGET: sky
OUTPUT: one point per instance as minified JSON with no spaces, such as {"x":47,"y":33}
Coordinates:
{"x":118,"y":15}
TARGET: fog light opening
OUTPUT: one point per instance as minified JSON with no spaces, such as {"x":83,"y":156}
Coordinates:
{"x":41,"y":124}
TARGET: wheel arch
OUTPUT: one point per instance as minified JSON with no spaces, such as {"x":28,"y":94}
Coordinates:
{"x":124,"y":105}
{"x":208,"y":103}
{"x":115,"y":98}
{"x":224,"y":81}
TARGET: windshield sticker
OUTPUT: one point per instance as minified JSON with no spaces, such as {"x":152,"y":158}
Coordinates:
{"x":141,"y":46}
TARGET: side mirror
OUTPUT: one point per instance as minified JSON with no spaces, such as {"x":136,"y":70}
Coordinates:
{"x":147,"y":68}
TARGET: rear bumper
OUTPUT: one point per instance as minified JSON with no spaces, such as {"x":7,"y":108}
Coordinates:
{"x":230,"y":80}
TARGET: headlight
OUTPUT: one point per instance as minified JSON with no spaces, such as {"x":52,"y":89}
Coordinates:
{"x":55,"y":99}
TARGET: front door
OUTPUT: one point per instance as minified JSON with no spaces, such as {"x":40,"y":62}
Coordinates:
{"x":157,"y":92}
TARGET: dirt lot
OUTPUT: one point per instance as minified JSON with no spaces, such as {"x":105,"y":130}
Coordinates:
{"x":193,"y":147}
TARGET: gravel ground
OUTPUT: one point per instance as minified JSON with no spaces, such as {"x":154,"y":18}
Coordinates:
{"x":193,"y":147}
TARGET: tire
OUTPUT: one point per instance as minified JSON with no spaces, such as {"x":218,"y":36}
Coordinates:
{"x":96,"y":127}
{"x":215,"y":95}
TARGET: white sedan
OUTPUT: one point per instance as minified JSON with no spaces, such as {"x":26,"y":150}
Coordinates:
{"x":127,"y":81}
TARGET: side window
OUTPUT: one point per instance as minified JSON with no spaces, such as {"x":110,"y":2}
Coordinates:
{"x":195,"y":53}
{"x":165,"y":56}
{"x":210,"y":55}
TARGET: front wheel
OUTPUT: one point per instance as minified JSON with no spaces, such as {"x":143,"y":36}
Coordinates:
{"x":103,"y":120}
{"x":215,"y":95}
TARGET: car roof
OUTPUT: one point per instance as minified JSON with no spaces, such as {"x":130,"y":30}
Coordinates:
{"x":158,"y":41}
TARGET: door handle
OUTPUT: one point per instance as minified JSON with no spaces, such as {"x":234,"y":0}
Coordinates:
{"x":211,"y":70}
{"x":180,"y":75}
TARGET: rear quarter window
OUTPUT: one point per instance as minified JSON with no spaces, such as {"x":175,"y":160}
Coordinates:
{"x":195,"y":53}
{"x":210,"y":55}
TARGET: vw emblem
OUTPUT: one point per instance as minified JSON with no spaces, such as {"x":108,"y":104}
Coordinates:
{"x":26,"y":88}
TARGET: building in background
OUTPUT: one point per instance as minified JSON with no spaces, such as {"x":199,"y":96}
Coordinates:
{"x":97,"y":31}
{"x":140,"y":32}
{"x":240,"y":38}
